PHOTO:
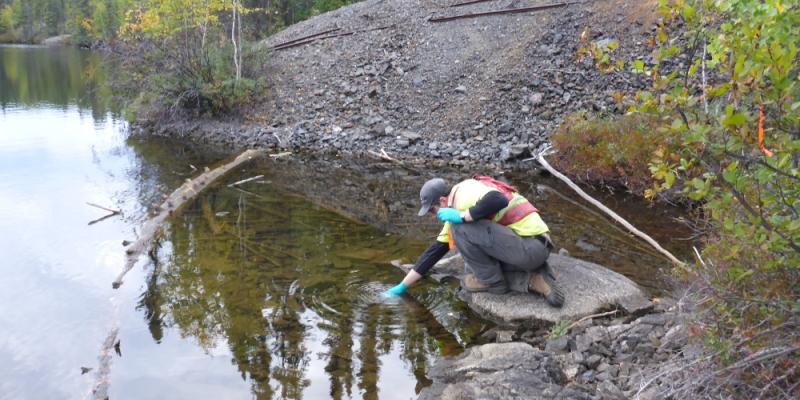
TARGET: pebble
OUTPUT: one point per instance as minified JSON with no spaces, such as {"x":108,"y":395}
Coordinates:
{"x":558,"y":345}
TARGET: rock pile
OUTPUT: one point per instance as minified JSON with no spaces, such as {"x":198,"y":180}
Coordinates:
{"x":500,"y":371}
{"x":604,"y":359}
{"x":615,"y":360}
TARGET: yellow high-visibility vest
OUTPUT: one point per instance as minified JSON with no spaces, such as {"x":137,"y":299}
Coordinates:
{"x":466,"y":194}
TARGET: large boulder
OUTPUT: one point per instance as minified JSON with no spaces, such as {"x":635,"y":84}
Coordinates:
{"x":499,"y":371}
{"x":588,"y":288}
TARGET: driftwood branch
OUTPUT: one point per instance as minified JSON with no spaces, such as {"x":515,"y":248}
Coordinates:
{"x":603,"y":314}
{"x":699,"y":257}
{"x":173,"y":202}
{"x":103,"y":218}
{"x":540,"y":158}
{"x":237,"y":183}
{"x":281,"y":155}
{"x":575,"y":203}
{"x":115,"y":212}
{"x":384,"y":156}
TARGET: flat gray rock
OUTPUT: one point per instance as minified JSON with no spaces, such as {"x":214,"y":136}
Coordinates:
{"x":588,"y":288}
{"x":499,"y":371}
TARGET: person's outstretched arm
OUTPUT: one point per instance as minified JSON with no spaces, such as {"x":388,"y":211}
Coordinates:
{"x":426,"y":261}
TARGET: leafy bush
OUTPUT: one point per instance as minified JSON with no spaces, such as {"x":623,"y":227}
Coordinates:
{"x":722,"y":125}
{"x":726,"y":90}
{"x":178,"y":58}
{"x":167,"y":85}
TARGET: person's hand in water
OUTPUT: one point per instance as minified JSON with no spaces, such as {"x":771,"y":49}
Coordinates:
{"x":397,"y":290}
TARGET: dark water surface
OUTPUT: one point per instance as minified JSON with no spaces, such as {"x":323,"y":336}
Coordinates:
{"x":267,"y":290}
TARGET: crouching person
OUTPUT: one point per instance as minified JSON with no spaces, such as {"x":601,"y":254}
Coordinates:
{"x":495,"y":229}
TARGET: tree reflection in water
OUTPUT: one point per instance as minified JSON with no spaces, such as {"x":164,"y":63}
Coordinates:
{"x":272,"y":276}
{"x":59,"y":77}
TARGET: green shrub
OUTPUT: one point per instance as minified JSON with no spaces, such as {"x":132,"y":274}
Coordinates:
{"x":8,"y":37}
{"x":179,"y":57}
{"x":722,"y":125}
{"x":167,"y":81}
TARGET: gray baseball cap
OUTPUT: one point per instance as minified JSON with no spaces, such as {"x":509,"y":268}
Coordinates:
{"x":430,"y":193}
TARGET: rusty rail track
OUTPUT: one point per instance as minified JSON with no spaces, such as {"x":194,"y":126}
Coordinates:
{"x":314,"y":38}
{"x":303,"y":38}
{"x":311,"y":40}
{"x":499,"y":12}
{"x":470,"y":2}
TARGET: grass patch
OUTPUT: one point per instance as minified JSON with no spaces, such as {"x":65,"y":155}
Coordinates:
{"x":558,"y":329}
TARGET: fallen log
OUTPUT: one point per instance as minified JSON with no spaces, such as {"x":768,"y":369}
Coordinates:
{"x":173,"y":202}
{"x":103,"y":375}
{"x":315,"y":38}
{"x":466,"y":3}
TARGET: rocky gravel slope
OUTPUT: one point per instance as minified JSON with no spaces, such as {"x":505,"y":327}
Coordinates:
{"x":484,"y":90}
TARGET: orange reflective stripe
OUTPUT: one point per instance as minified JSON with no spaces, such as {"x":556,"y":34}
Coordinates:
{"x":451,"y":242}
{"x":503,"y":187}
{"x":517,"y":213}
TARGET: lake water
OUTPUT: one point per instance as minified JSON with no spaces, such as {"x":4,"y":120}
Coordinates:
{"x":269,"y":290}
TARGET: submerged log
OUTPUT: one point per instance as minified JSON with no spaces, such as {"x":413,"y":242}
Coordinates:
{"x":171,"y":204}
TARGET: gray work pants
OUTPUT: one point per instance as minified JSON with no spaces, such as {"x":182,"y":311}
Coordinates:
{"x":494,"y":253}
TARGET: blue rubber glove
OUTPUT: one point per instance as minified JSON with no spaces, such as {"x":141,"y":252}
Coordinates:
{"x":450,"y":215}
{"x":398,"y":290}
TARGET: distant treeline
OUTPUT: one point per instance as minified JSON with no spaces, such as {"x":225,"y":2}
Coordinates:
{"x":93,"y":21}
